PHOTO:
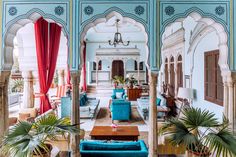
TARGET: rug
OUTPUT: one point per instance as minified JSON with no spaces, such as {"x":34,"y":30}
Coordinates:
{"x":104,"y":119}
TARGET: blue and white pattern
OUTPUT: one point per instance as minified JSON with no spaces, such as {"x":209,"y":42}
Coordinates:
{"x":12,"y":11}
{"x":59,"y":10}
{"x":139,"y":10}
{"x":220,"y":10}
{"x":88,"y":10}
{"x":169,"y":10}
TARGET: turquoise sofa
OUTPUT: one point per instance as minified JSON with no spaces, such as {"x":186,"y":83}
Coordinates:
{"x":120,"y":91}
{"x":88,"y":106}
{"x":120,"y":110}
{"x":113,"y":149}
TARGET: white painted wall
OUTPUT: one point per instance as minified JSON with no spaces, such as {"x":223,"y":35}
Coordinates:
{"x":208,"y":43}
{"x":196,"y":60}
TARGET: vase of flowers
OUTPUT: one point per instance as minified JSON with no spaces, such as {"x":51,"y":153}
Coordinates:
{"x":131,"y":81}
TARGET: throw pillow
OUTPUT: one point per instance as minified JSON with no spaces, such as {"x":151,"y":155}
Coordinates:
{"x":119,"y":95}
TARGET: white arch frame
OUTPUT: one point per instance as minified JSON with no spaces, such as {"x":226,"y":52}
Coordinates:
{"x":11,"y":34}
{"x":105,"y":19}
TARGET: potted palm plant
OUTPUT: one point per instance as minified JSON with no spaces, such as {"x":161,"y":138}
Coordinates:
{"x":201,"y":134}
{"x":27,"y":139}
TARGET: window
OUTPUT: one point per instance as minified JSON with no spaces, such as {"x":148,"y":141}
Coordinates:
{"x":213,"y":80}
{"x":179,"y":72}
{"x":94,"y":65}
{"x":172,"y":77}
{"x":99,"y":65}
{"x":136,"y":65}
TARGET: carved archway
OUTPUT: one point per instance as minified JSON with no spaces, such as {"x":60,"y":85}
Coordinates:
{"x":100,"y":19}
{"x":12,"y":28}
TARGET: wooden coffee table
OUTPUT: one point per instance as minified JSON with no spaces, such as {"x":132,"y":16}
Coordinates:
{"x":123,"y":133}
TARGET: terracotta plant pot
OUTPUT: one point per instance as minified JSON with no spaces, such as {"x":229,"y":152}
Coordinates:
{"x":45,"y":154}
{"x":190,"y":153}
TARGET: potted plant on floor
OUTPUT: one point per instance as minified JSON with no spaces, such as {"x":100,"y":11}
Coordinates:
{"x":27,"y":139}
{"x":201,"y":134}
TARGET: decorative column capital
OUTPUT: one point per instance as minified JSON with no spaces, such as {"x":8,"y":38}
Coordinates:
{"x":4,"y":76}
{"x":153,"y":78}
{"x":27,"y":74}
{"x":75,"y":73}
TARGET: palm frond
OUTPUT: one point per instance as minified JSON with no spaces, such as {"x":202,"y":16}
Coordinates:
{"x":221,"y":142}
{"x":195,"y":117}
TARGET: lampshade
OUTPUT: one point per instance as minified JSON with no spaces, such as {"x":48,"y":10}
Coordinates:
{"x":185,"y":93}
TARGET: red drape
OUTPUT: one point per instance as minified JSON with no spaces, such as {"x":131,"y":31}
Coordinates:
{"x":84,"y":69}
{"x":47,"y":37}
{"x":68,"y":77}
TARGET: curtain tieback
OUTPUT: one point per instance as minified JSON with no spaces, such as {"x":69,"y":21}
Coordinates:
{"x":42,"y":94}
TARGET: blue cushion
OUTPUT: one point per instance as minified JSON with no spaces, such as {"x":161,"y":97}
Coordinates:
{"x":111,"y":146}
{"x":86,"y":97}
{"x":158,"y":102}
{"x":82,"y":101}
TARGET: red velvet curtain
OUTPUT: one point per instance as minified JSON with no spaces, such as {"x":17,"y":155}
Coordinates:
{"x":84,"y":69}
{"x":47,"y":37}
{"x":68,"y":77}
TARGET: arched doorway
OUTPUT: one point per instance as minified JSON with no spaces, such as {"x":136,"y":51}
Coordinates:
{"x":117,"y":68}
{"x":7,"y":61}
{"x":204,"y":29}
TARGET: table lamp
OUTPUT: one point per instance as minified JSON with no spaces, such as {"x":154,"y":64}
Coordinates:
{"x":186,"y":94}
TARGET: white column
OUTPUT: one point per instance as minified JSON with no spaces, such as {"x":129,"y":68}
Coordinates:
{"x":124,"y":63}
{"x":28,"y":94}
{"x":152,"y":136}
{"x":176,"y":83}
{"x":75,"y":113}
{"x":4,"y":113}
{"x":97,"y":72}
{"x":111,"y":71}
{"x":231,"y":104}
{"x":138,"y":72}
{"x":61,"y":77}
{"x":225,"y":103}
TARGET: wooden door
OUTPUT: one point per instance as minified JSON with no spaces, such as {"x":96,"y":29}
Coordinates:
{"x":117,"y":68}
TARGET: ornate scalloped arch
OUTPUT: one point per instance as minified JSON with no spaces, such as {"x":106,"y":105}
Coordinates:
{"x":100,"y":18}
{"x":14,"y":25}
{"x":190,"y":11}
{"x":109,"y":12}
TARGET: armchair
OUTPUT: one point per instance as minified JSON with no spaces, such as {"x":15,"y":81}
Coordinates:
{"x":120,"y":110}
{"x":115,"y":91}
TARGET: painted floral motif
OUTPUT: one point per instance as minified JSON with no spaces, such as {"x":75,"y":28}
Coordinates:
{"x":88,"y":10}
{"x":12,"y":11}
{"x":169,"y":10}
{"x":220,"y":10}
{"x":139,"y":10}
{"x":59,"y":10}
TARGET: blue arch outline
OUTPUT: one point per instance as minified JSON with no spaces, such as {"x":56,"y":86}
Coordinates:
{"x":118,"y":10}
{"x":187,"y":13}
{"x":44,"y":15}
{"x":124,"y":14}
{"x":39,"y":11}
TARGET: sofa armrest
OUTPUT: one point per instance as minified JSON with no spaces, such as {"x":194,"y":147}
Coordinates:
{"x":143,"y":146}
{"x":113,"y":96}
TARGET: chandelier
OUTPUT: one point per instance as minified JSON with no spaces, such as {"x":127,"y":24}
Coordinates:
{"x":117,"y":37}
